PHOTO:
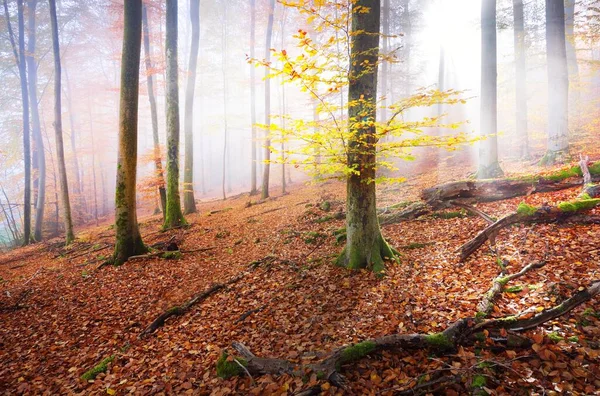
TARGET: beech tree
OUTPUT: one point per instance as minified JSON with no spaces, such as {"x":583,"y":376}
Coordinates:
{"x":267,"y":167}
{"x":520,"y":77}
{"x":128,"y":239}
{"x":365,"y":245}
{"x":173,"y":215}
{"x":488,"y":148}
{"x":153,"y":112}
{"x":189,"y":203}
{"x":557,"y":148}
{"x":60,"y":153}
{"x":38,"y":153}
{"x":253,"y":189}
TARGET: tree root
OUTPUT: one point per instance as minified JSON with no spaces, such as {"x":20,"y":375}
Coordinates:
{"x":185,"y":307}
{"x":461,"y":332}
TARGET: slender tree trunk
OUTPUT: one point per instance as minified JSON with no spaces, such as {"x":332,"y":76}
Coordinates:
{"x":78,"y":183}
{"x":153,"y":112}
{"x":571,"y":47}
{"x":60,"y":154}
{"x":189,"y":203}
{"x":55,"y":185}
{"x":93,"y":158}
{"x":488,"y":148}
{"x":26,"y":129}
{"x":224,"y":75}
{"x":267,"y":167}
{"x":128,"y":240}
{"x":385,"y":65}
{"x":282,"y":110}
{"x":39,"y":155}
{"x":253,"y":189}
{"x":365,"y":246}
{"x":174,"y":215}
{"x":521,"y":77}
{"x":558,"y":83}
{"x":407,"y":30}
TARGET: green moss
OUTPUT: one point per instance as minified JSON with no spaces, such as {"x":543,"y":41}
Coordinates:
{"x":357,"y":351}
{"x":450,"y":215}
{"x":321,"y":375}
{"x":563,"y":174}
{"x":555,"y":337}
{"x":340,"y":235}
{"x":578,"y":205}
{"x":503,"y":281}
{"x":439,"y":341}
{"x":513,"y":289}
{"x":227,"y":369}
{"x":174,"y":255}
{"x":480,"y":336}
{"x":312,"y":237}
{"x":526,"y":210}
{"x":507,"y":319}
{"x":99,"y":368}
{"x":325,"y":206}
{"x":479,"y":381}
{"x":573,"y":339}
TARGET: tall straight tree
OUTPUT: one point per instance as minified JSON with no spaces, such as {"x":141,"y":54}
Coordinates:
{"x":153,"y":112}
{"x":365,"y":245}
{"x":26,"y":138}
{"x":572,"y":54}
{"x":60,"y":153}
{"x":267,"y":167}
{"x":39,"y":156}
{"x":558,"y":83}
{"x":174,"y":215}
{"x":385,"y":66}
{"x":520,"y":77}
{"x":253,"y":189}
{"x":225,"y":88}
{"x":488,"y":148}
{"x":189,"y":203}
{"x":128,"y":239}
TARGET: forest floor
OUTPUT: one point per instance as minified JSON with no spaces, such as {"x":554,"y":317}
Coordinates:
{"x":60,"y":315}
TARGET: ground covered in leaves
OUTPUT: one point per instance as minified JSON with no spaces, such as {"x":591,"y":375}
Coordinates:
{"x":61,"y":315}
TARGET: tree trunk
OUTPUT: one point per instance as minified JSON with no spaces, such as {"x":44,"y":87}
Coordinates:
{"x":128,"y":240}
{"x":153,"y":113}
{"x":282,"y":110}
{"x":365,"y":246}
{"x":224,"y":75}
{"x":385,"y":66}
{"x":189,"y":203}
{"x":488,"y":148}
{"x":78,"y":183}
{"x":558,"y":83}
{"x":520,"y":78}
{"x":94,"y":188}
{"x":26,"y":138}
{"x":253,"y":189}
{"x":571,"y":49}
{"x":39,"y":155}
{"x":174,"y":215}
{"x":267,"y":167}
{"x":60,"y":154}
{"x":407,"y":30}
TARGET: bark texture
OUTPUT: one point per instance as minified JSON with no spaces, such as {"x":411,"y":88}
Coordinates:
{"x":60,"y":153}
{"x":128,"y":240}
{"x":488,"y":148}
{"x":365,"y":245}
{"x":173,"y":215}
{"x":189,"y":203}
{"x":253,"y":189}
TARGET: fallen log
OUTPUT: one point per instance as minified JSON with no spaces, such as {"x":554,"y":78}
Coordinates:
{"x":464,"y":331}
{"x":471,"y":191}
{"x":527,"y":214}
